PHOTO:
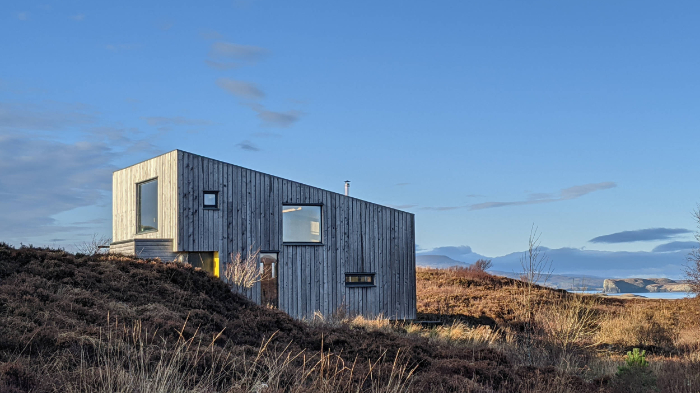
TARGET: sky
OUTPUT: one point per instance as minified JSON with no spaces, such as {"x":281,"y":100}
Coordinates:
{"x":482,"y":118}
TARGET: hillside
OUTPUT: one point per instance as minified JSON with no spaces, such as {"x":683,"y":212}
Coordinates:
{"x":91,"y":322}
{"x":583,"y":335}
{"x":644,"y":285}
{"x":563,"y":281}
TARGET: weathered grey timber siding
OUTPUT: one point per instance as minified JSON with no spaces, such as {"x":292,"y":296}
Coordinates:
{"x":145,"y":248}
{"x":163,"y":167}
{"x":358,"y":236}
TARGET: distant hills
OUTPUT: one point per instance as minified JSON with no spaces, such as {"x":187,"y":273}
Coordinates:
{"x":562,"y":281}
{"x":571,"y":262}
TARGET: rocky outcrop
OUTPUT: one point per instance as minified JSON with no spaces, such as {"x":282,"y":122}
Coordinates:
{"x":642,"y":285}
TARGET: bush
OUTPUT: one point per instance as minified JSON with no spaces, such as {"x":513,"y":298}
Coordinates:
{"x":634,"y":375}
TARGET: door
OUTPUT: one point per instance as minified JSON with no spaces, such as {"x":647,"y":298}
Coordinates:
{"x":269,"y":294}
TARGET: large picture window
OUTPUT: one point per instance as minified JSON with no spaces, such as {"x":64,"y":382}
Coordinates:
{"x":301,"y":224}
{"x":147,"y":206}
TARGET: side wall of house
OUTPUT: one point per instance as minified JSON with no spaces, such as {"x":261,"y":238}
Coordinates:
{"x":358,"y":236}
{"x":124,"y":182}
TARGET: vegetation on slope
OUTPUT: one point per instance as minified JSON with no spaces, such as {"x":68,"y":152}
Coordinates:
{"x":581,"y":335}
{"x":76,"y":323}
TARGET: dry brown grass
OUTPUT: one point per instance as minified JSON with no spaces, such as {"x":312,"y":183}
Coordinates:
{"x":128,"y":360}
{"x":579,"y":335}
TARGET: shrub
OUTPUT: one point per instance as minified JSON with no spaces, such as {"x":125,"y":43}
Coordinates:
{"x":634,"y":375}
{"x":242,"y":273}
{"x":572,"y":321}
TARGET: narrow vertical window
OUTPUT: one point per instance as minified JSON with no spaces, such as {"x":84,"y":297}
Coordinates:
{"x":147,"y":206}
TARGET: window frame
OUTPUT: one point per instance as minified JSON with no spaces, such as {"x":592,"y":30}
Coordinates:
{"x":138,"y":205}
{"x":320,"y":225}
{"x":215,"y":206}
{"x":361,"y":284}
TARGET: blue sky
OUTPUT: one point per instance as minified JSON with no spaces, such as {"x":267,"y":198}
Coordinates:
{"x":481,"y":118}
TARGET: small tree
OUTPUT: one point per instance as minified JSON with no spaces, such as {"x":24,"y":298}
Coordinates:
{"x":482,"y":265}
{"x":242,"y":272}
{"x":692,"y":269}
{"x":97,"y":245}
{"x":537,"y":268}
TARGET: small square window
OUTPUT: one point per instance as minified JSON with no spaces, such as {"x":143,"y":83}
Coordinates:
{"x":211,"y":199}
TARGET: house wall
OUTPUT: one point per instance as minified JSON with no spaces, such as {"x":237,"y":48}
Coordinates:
{"x":145,"y":248}
{"x":358,"y":236}
{"x":124,"y":182}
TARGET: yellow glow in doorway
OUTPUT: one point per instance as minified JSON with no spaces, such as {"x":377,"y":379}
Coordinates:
{"x":216,"y":263}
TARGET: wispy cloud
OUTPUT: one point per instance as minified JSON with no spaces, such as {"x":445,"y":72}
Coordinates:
{"x":78,"y":17}
{"x":442,"y":208}
{"x":240,"y":89}
{"x":402,"y":184}
{"x":402,"y":206}
{"x":174,"y":121}
{"x":564,"y":194}
{"x":640,"y":235}
{"x":675,"y":246}
{"x":42,"y":175}
{"x":245,"y":53}
{"x":22,"y":15}
{"x":275,"y":119}
{"x":47,"y":116}
{"x":247,"y":145}
{"x":222,"y":66}
{"x":69,"y":175}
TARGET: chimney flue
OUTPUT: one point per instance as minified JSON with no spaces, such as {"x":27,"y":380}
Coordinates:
{"x":347,"y":187}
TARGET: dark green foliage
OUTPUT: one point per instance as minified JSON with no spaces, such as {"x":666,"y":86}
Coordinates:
{"x":635,"y":374}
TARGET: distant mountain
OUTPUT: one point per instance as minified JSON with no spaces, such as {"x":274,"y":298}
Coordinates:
{"x":437,"y":261}
{"x":620,"y":264}
{"x":580,"y":281}
{"x":572,"y":262}
{"x":576,"y":282}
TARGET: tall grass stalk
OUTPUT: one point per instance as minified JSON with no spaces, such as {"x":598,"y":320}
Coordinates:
{"x":127,"y":359}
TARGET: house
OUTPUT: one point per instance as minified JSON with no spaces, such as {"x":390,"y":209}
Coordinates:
{"x":322,"y":251}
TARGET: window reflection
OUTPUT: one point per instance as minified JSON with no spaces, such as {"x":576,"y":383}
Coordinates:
{"x":301,"y":224}
{"x":147,"y":208}
{"x":210,"y":199}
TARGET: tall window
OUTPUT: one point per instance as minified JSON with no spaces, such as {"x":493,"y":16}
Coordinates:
{"x":147,"y":206}
{"x":301,"y":224}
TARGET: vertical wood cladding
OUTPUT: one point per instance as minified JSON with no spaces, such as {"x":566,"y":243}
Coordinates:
{"x":164,"y":168}
{"x":358,"y":236}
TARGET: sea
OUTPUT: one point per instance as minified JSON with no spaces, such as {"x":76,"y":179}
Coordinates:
{"x":649,"y":295}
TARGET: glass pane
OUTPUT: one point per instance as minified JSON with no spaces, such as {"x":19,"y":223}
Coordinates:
{"x":210,"y":199}
{"x":147,"y":209}
{"x":269,"y":294}
{"x":207,"y":261}
{"x":301,"y":224}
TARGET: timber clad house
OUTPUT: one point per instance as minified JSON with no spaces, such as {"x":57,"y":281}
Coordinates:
{"x":320,"y":251}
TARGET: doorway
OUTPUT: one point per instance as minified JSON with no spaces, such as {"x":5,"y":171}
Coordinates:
{"x":269,"y":293}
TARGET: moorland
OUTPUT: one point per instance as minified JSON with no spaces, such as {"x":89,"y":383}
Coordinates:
{"x":112,"y":323}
